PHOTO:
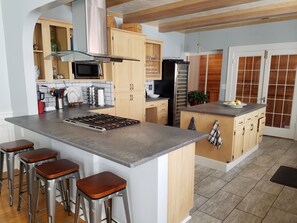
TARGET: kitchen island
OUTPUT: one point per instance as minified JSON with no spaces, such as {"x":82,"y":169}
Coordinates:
{"x":156,"y":160}
{"x":241,"y":131}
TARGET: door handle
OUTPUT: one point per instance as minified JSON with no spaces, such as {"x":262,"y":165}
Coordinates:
{"x":263,"y":99}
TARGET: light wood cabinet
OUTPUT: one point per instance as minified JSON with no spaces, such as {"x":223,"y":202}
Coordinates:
{"x":130,"y":105}
{"x":38,"y":51}
{"x":157,"y":111}
{"x":128,"y":76}
{"x":49,"y":36}
{"x":153,"y":62}
{"x":239,"y":134}
{"x":181,"y":169}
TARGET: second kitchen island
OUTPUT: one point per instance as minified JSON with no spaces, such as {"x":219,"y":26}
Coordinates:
{"x":157,"y":161}
{"x":241,"y":131}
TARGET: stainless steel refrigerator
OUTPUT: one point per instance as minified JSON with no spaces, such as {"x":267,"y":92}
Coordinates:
{"x":174,"y":85}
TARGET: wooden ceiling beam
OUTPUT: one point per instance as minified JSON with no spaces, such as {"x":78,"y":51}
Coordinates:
{"x":274,"y":10}
{"x":245,"y":23}
{"x":111,"y":3}
{"x":179,"y":8}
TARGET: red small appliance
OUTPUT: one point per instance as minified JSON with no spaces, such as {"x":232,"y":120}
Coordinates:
{"x":40,"y":105}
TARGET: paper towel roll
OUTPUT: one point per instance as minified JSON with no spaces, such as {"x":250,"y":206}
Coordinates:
{"x":101,"y":97}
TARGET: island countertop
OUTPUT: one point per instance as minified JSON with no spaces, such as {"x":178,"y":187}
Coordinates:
{"x":129,"y":146}
{"x":218,"y":108}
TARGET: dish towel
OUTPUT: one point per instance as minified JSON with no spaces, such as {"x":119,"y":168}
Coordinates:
{"x":215,"y":135}
{"x":192,"y":124}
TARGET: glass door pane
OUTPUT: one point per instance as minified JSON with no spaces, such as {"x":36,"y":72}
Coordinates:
{"x":282,"y":75}
{"x":248,"y":76}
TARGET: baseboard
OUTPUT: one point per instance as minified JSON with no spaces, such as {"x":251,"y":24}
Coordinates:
{"x":186,"y":219}
{"x":218,"y":165}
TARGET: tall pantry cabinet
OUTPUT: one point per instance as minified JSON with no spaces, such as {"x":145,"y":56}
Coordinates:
{"x":128,"y":76}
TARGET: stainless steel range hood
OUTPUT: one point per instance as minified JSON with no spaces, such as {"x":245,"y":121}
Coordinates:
{"x":89,"y":34}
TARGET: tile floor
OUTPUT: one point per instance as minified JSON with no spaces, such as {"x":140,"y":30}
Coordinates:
{"x":245,"y":193}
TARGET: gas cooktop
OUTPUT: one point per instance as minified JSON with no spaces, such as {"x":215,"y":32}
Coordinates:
{"x":101,"y":122}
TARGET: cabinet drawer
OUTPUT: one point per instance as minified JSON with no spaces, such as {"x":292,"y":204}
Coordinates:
{"x":248,"y":117}
{"x":151,"y":104}
{"x":256,"y":114}
{"x":163,"y":119}
{"x":262,"y":112}
{"x":162,"y":110}
{"x":163,"y":104}
{"x":239,"y":120}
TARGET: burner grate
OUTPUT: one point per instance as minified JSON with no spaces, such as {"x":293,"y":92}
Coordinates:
{"x":101,"y":122}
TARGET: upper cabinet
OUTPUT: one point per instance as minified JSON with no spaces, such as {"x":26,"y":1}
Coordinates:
{"x":38,"y":52}
{"x":153,"y":58}
{"x":51,"y":36}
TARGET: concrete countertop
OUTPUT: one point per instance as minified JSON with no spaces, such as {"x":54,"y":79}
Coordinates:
{"x":218,"y":108}
{"x":129,"y":146}
{"x":155,"y":99}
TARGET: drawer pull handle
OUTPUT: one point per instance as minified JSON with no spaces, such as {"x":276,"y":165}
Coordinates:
{"x":241,"y":122}
{"x":256,"y":116}
{"x":249,"y":118}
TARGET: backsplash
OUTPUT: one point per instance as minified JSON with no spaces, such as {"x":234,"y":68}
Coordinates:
{"x":50,"y":101}
{"x":149,"y":87}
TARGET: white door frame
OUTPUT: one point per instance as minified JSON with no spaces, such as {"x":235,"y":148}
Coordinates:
{"x":231,"y":70}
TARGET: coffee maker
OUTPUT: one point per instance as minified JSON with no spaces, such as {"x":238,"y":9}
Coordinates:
{"x":40,"y":103}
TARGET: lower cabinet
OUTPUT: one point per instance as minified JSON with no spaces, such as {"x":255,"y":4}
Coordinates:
{"x":157,"y":111}
{"x":130,"y":105}
{"x":181,"y":169}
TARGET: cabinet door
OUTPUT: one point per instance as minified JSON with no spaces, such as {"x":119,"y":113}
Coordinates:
{"x":238,"y":141}
{"x":137,"y":107}
{"x":122,"y":73}
{"x":246,"y":138}
{"x":253,"y":133}
{"x":122,"y":104}
{"x":137,"y":45}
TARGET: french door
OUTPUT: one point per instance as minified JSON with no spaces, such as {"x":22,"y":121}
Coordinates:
{"x":267,"y":75}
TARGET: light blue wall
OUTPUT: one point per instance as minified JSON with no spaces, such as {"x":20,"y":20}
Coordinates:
{"x":173,"y":42}
{"x":277,"y":32}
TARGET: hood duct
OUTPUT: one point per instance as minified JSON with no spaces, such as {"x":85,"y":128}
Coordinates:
{"x":89,"y":34}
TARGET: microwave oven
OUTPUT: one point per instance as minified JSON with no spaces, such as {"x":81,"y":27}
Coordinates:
{"x":87,"y":70}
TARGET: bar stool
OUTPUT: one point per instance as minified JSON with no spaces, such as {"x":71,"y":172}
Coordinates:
{"x":10,"y":149}
{"x":28,"y":161}
{"x":52,"y":173}
{"x":99,"y":188}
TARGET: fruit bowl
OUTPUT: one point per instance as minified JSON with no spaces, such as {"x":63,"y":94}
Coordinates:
{"x":231,"y":104}
{"x":154,"y":95}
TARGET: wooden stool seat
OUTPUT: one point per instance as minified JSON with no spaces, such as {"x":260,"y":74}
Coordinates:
{"x":16,"y":145}
{"x":38,"y":155}
{"x":101,"y":185}
{"x":56,"y":169}
{"x":10,"y":150}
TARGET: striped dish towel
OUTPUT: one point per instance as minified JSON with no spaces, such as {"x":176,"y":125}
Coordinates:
{"x":215,"y":135}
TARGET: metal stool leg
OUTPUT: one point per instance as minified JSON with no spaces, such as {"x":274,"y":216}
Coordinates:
{"x":10,"y":170}
{"x":67,"y":195}
{"x":108,"y":210}
{"x":51,"y":200}
{"x":126,"y":205}
{"x":36,"y":199}
{"x":95,"y":211}
{"x":20,"y":185}
{"x":1,"y":168}
{"x":77,"y":205}
{"x":63,"y":194}
{"x":77,"y":176}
